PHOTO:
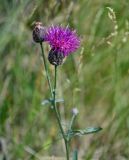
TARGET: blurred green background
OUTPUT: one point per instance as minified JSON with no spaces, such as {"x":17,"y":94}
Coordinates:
{"x":95,"y":79}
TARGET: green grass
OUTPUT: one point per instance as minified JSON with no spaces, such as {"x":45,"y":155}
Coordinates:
{"x":95,"y":79}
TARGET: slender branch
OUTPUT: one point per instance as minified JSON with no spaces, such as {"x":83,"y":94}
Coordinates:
{"x":55,"y":107}
{"x":55,"y":78}
{"x":46,"y":69}
{"x":53,"y":95}
{"x":72,"y":121}
{"x":58,"y":115}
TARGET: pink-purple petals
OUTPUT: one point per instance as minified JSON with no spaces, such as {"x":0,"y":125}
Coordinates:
{"x":62,"y":39}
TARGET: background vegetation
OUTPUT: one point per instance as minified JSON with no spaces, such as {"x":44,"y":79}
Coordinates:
{"x":95,"y":79}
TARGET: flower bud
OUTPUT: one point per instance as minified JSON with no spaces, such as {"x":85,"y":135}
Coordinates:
{"x":55,"y":57}
{"x":75,"y":111}
{"x":38,"y":32}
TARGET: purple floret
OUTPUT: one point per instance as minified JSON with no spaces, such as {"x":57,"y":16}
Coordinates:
{"x":62,"y":39}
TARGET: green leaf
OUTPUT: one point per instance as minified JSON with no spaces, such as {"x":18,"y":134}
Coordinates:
{"x":46,"y":101}
{"x":59,"y":100}
{"x":88,"y":130}
{"x":50,"y":101}
{"x":81,"y":132}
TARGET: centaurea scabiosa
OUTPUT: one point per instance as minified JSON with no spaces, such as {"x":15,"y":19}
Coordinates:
{"x":63,"y":41}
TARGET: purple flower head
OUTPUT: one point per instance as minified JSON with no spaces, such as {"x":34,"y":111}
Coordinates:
{"x":62,"y":40}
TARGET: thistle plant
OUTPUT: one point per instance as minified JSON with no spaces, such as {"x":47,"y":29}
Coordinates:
{"x":63,"y":41}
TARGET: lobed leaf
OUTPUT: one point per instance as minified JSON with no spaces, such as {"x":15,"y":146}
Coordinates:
{"x":49,"y":101}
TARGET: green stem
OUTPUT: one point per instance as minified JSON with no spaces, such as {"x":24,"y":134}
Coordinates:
{"x":53,"y":95}
{"x":67,"y":148}
{"x":58,"y":116}
{"x":72,"y":121}
{"x":46,"y":68}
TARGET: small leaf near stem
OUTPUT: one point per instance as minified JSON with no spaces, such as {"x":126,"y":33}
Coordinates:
{"x":50,"y":100}
{"x":81,"y":132}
